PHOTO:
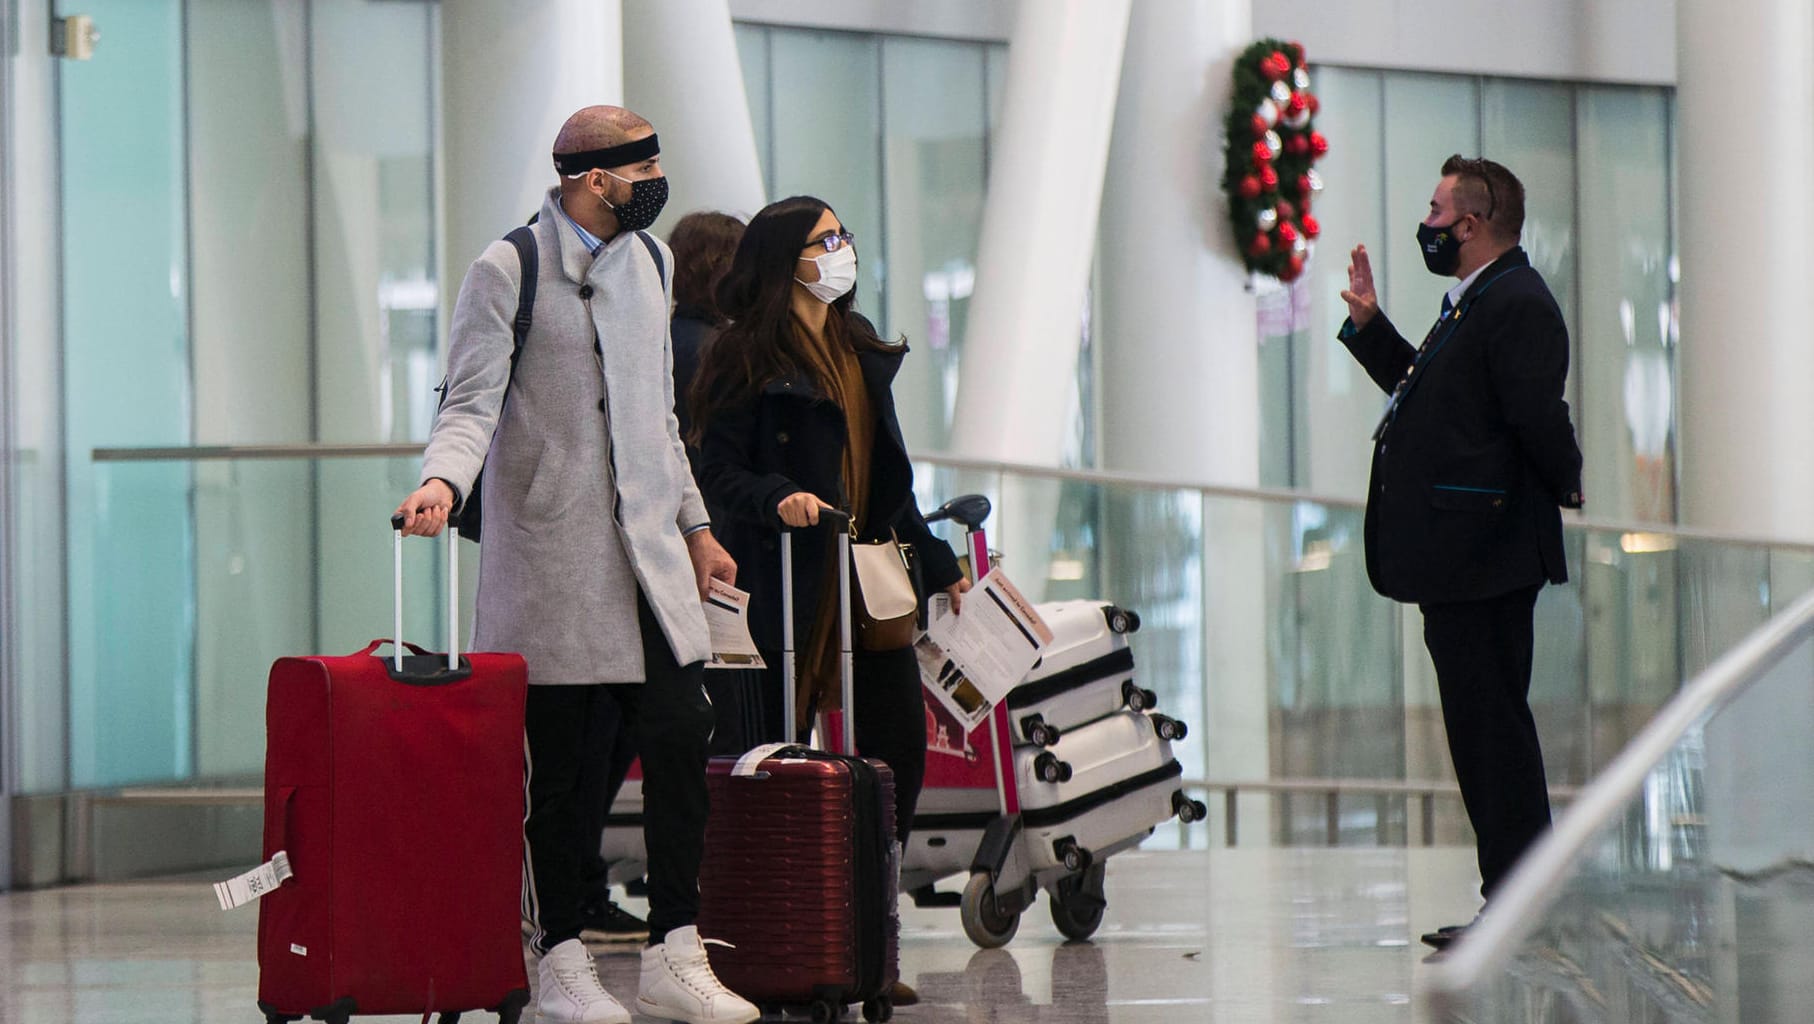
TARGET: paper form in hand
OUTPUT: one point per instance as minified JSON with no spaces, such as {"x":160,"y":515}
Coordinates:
{"x":727,"y":616}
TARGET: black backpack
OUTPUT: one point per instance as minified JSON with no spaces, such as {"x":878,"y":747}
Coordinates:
{"x":469,"y":518}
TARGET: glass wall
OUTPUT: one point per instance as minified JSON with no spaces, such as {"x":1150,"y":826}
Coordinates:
{"x":244,"y":207}
{"x":893,"y":132}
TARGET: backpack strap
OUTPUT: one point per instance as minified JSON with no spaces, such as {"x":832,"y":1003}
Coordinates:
{"x":661,"y":265}
{"x":523,"y":240}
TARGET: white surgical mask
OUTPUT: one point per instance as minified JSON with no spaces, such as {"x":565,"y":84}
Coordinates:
{"x":837,"y":274}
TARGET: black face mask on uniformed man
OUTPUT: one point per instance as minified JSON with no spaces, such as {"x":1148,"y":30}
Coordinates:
{"x":1441,"y":247}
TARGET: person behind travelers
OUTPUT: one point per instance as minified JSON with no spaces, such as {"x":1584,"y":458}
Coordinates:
{"x":703,"y":243}
{"x":596,"y":551}
{"x":1472,"y":463}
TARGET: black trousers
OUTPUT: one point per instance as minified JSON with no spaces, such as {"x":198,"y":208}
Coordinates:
{"x":610,"y":750}
{"x":1482,"y":651}
{"x":890,"y":720}
{"x":671,"y":719}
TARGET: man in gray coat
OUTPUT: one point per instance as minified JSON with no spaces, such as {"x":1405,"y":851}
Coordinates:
{"x":596,"y":552}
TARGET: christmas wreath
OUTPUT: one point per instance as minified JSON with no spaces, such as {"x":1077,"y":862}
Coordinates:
{"x":1269,"y":179}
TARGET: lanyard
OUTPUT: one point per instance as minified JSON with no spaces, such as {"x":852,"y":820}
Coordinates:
{"x":1432,"y":345}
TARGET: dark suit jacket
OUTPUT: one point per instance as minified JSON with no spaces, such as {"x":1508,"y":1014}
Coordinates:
{"x":1471,"y":471}
{"x":790,"y":437}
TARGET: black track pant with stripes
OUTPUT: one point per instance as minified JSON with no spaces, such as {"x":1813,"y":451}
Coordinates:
{"x":672,"y":721}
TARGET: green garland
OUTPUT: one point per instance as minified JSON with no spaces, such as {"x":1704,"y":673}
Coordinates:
{"x":1271,"y":147}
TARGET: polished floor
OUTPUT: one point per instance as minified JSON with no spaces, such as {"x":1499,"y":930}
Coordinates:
{"x":1223,"y":936}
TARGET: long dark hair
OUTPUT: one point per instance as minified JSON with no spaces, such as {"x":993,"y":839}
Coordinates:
{"x":763,"y":343}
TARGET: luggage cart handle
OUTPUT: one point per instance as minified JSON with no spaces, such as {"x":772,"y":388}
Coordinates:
{"x":453,"y":594}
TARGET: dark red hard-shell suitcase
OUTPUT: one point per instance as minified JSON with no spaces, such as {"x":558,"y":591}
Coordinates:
{"x":800,"y":865}
{"x":395,"y":784}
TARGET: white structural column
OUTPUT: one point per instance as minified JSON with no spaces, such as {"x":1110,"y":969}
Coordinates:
{"x":1039,"y":230}
{"x":1180,"y":361}
{"x":1746,"y":369}
{"x":682,"y":72}
{"x":512,"y":73}
{"x":1179,"y":356}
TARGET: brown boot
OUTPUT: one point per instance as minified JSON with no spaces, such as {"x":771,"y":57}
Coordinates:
{"x":902,"y":994}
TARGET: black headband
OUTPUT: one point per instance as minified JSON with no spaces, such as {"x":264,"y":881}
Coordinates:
{"x":616,"y":156}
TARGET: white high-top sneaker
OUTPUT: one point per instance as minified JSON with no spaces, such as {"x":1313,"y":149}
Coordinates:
{"x":570,"y":992}
{"x":678,"y":984}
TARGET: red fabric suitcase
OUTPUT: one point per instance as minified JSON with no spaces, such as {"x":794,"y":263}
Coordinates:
{"x":396,"y":787}
{"x":800,"y":867}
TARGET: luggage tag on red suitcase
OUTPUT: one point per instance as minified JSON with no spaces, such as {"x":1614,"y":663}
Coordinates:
{"x":749,"y":765}
{"x":254,"y":884}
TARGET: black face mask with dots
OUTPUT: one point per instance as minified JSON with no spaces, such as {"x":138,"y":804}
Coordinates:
{"x":647,"y":197}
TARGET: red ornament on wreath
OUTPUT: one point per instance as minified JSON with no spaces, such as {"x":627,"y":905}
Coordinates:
{"x":1287,"y":233}
{"x":1294,"y":268}
{"x":1297,"y":104}
{"x":1260,"y":127}
{"x":1297,"y":145}
{"x":1275,"y":66}
{"x":1286,"y":210}
{"x":1318,"y":144}
{"x":1250,"y":187}
{"x":1269,"y":179}
{"x":1262,"y":153}
{"x":1297,"y":52}
{"x":1260,"y":246}
{"x":1311,"y":228}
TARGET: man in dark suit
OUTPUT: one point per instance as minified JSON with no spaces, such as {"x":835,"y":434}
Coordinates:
{"x":1472,"y":462}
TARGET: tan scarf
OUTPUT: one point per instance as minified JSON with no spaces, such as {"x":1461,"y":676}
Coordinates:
{"x":834,"y":364}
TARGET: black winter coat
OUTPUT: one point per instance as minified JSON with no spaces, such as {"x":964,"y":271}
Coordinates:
{"x":791,"y":438}
{"x":691,"y":331}
{"x":1470,"y":472}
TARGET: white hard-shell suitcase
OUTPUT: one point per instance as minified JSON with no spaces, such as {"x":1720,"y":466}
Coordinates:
{"x":1101,"y":789}
{"x":1085,"y":673}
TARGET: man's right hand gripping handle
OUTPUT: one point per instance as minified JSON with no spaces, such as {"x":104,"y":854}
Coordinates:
{"x":426,"y":510}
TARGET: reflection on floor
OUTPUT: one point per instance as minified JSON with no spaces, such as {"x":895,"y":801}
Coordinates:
{"x":1250,"y":935}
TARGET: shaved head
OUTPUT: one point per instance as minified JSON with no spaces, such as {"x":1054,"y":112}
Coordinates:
{"x":600,"y":127}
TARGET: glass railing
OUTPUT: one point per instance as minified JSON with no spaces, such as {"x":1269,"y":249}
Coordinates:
{"x":1259,"y":628}
{"x":1680,"y":887}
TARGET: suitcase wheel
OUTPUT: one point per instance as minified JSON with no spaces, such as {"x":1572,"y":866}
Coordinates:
{"x":1077,"y":904}
{"x":1121,"y":620}
{"x":878,"y":1010}
{"x":1049,"y":768}
{"x":1136,"y":698}
{"x":1188,"y":810}
{"x":274,"y":1017}
{"x":1037,"y":732}
{"x":510,"y":1011}
{"x":825,"y":1011}
{"x":1075,"y":858}
{"x":983,"y":919}
{"x":1170,"y":728}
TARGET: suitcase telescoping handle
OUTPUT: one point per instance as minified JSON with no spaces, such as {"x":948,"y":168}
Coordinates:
{"x":839,"y":521}
{"x":453,"y":596}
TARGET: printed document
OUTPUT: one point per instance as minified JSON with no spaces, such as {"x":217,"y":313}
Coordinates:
{"x":727,"y":616}
{"x":971,"y":659}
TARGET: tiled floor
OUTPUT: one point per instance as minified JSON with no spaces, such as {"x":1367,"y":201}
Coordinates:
{"x":1224,"y":936}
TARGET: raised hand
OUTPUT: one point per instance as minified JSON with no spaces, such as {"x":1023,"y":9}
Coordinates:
{"x":1362,"y":300}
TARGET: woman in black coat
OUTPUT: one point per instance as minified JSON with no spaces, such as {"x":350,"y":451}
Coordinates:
{"x":793,"y":411}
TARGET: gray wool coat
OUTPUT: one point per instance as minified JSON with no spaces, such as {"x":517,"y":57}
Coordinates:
{"x":587,"y":486}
